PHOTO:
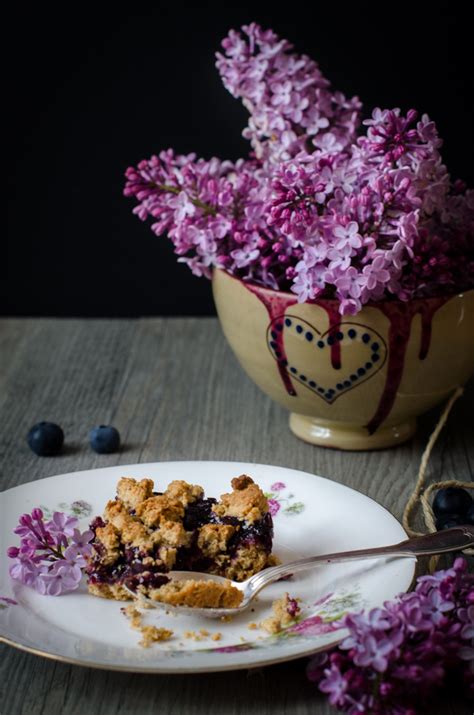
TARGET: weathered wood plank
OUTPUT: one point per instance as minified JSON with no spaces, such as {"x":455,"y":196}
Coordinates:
{"x":175,"y":391}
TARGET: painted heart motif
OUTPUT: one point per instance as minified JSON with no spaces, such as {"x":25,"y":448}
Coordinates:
{"x":288,"y":332}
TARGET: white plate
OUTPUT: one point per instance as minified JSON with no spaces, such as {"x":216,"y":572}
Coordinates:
{"x":314,"y":516}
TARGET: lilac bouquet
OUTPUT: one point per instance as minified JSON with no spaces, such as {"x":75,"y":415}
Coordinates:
{"x":397,"y":657}
{"x":325,"y":205}
{"x":51,"y":554}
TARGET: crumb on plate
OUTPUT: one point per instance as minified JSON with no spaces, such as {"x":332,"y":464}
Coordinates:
{"x":152,"y":634}
{"x":285,"y":613}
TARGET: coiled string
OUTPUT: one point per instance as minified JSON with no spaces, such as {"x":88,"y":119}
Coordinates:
{"x":421,"y":495}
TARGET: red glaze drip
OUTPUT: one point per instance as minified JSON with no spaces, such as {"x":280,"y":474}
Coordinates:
{"x":427,"y":309}
{"x":401,"y":316}
{"x":332,"y":309}
{"x":276,"y":304}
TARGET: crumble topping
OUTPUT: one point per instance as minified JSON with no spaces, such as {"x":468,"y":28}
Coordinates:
{"x":131,"y":530}
{"x":144,"y":534}
{"x":109,"y":537}
{"x":251,"y":559}
{"x":182,"y":491}
{"x":111,"y":591}
{"x":159,"y":509}
{"x":213,"y":538}
{"x":131,"y":492}
{"x":247,"y":501}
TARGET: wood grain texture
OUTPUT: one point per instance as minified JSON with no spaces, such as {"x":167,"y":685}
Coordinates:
{"x":174,"y":390}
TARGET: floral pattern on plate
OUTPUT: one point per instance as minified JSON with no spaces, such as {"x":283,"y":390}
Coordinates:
{"x":280,"y":503}
{"x":329,"y":610}
{"x":79,"y":508}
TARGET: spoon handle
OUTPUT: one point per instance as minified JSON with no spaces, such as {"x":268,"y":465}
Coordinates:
{"x":455,"y":539}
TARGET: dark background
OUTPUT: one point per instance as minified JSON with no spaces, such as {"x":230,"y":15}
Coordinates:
{"x":90,"y":91}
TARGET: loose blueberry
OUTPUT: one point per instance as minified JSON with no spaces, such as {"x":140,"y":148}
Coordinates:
{"x":452,"y":500}
{"x":470,"y":514}
{"x":45,"y":439}
{"x":447,"y":521}
{"x":104,"y":439}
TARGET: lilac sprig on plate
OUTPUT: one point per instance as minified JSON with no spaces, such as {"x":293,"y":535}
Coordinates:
{"x":398,"y":657}
{"x":51,"y":554}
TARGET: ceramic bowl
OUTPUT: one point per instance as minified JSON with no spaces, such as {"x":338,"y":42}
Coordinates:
{"x":354,"y":382}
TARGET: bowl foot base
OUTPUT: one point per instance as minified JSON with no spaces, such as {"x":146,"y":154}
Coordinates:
{"x":340,"y":435}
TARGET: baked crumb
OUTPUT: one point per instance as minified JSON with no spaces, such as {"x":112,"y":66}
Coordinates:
{"x":131,"y":492}
{"x":285,"y":613}
{"x":252,"y":626}
{"x":184,"y":492}
{"x":213,"y":538}
{"x":247,"y":501}
{"x":152,"y":634}
{"x":216,"y":636}
{"x":134,"y":616}
{"x":192,"y":635}
{"x":158,"y":509}
{"x":242,"y":482}
{"x":198,"y":594}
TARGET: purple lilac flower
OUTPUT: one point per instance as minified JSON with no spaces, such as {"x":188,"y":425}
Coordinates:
{"x":51,"y":554}
{"x":291,"y":104}
{"x":316,"y":208}
{"x":61,"y":523}
{"x":60,"y":578}
{"x":397,"y":657}
{"x":278,"y":486}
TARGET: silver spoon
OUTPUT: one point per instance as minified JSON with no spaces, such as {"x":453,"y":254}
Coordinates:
{"x":455,"y":539}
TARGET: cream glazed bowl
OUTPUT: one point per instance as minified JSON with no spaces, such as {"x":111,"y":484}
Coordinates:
{"x":350,"y":382}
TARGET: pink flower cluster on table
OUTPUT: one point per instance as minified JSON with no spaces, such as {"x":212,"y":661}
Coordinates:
{"x":397,"y":657}
{"x":51,"y":554}
{"x":319,"y":207}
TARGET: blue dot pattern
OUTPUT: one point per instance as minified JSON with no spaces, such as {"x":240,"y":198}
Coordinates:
{"x":321,"y":342}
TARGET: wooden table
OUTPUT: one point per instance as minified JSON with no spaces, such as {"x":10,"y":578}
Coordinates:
{"x":174,"y":390}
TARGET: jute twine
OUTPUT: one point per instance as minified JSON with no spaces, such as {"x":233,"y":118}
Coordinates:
{"x":422,"y":495}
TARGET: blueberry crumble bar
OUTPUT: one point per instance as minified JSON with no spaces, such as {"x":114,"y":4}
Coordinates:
{"x":144,"y":534}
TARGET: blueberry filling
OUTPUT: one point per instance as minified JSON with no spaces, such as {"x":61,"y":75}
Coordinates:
{"x":199,"y":513}
{"x":129,"y":569}
{"x":259,"y":533}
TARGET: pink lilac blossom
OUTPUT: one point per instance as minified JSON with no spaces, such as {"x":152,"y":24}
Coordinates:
{"x":316,"y":209}
{"x":396,"y":658}
{"x":291,"y":104}
{"x":51,"y":554}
